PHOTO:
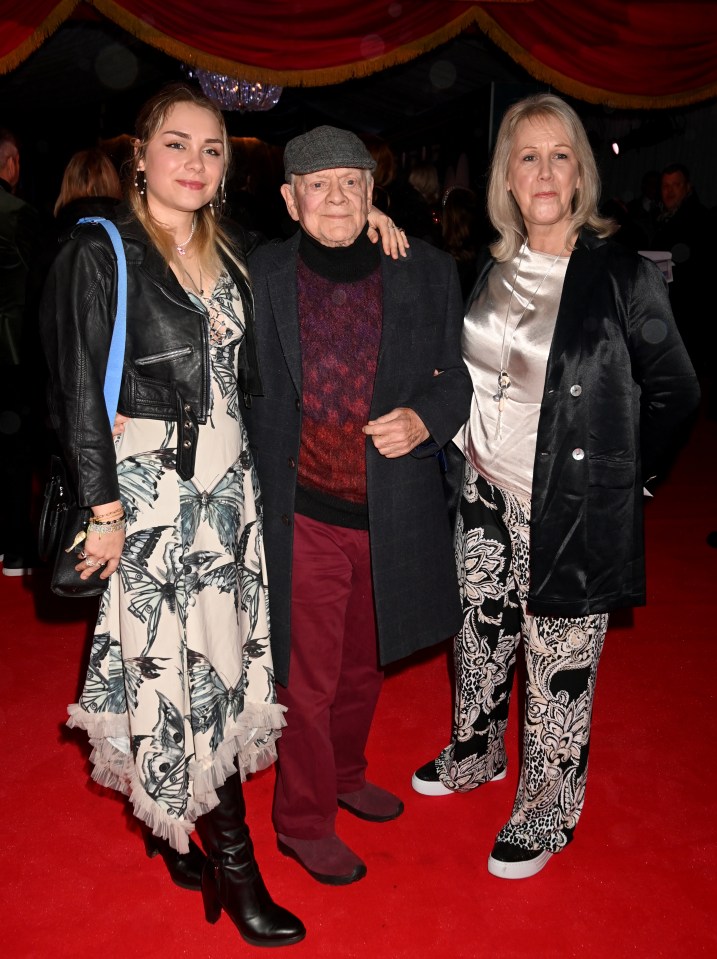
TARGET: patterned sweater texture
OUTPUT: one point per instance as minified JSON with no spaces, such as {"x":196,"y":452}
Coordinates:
{"x":340,"y":319}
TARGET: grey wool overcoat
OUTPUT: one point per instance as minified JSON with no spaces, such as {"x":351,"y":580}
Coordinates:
{"x":414,"y":573}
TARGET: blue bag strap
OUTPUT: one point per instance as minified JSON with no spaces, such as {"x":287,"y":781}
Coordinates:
{"x":115,"y":361}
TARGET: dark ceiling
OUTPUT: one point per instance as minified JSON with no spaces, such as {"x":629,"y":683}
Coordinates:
{"x":93,"y":76}
{"x":87,"y":81}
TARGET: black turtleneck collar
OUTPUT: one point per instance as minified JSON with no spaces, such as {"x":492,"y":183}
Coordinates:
{"x":341,"y":264}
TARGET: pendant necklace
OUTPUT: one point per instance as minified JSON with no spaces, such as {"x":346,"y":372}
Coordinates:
{"x":504,"y":380}
{"x":197,"y":289}
{"x":181,"y":248}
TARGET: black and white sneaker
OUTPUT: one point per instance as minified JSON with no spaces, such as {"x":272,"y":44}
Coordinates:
{"x":508,"y":861}
{"x":426,"y":780}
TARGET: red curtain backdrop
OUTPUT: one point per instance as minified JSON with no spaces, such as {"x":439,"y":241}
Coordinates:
{"x":629,"y":53}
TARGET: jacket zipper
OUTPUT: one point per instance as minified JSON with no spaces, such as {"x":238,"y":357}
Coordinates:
{"x":161,"y":357}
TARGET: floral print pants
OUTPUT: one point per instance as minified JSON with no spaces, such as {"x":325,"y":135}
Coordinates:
{"x":561,"y":654}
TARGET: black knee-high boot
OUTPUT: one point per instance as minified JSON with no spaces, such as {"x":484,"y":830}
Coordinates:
{"x":231,"y":879}
{"x":185,"y":869}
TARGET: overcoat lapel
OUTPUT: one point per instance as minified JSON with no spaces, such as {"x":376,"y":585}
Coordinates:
{"x":281,"y":284}
{"x":396,"y":293}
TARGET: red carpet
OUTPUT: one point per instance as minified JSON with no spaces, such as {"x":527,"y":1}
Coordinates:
{"x":638,"y":881}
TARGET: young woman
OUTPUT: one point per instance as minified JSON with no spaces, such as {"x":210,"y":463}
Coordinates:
{"x":179,"y":702}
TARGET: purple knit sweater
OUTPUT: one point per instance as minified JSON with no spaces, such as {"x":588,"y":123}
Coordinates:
{"x":340,"y":317}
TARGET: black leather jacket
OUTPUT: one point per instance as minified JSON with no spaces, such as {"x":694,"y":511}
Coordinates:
{"x":166,"y":368}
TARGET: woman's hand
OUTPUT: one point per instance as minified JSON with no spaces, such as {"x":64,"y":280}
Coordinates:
{"x":100,"y":554}
{"x":393,"y":240}
{"x":102,"y":551}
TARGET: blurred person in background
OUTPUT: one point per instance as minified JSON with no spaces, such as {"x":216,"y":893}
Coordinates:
{"x":90,"y":188}
{"x":19,"y":225}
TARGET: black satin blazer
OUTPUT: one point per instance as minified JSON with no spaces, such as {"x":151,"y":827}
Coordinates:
{"x":166,"y":371}
{"x":619,"y":385}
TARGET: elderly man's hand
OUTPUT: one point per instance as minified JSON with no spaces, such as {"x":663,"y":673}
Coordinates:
{"x":396,"y":433}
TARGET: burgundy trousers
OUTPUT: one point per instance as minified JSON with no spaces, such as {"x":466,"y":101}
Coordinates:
{"x":334,"y":678}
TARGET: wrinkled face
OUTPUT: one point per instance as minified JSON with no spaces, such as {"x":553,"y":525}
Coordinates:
{"x":184,"y":162}
{"x":331,"y":205}
{"x":674,"y":187}
{"x":543,"y":175}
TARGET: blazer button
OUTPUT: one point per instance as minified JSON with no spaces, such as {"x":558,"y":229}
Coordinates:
{"x":297,"y":404}
{"x":187,"y":407}
{"x":285,"y":520}
{"x":578,"y":454}
{"x":576,"y":390}
{"x":292,"y":462}
{"x":187,"y":425}
{"x":187,"y":444}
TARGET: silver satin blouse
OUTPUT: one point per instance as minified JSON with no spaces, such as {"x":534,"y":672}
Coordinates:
{"x":513,"y":334}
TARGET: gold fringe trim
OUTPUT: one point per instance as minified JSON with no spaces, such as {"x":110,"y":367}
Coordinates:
{"x":59,"y":14}
{"x":583,"y":91}
{"x":288,"y":78}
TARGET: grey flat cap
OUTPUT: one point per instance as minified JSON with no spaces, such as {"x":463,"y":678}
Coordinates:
{"x":326,"y":148}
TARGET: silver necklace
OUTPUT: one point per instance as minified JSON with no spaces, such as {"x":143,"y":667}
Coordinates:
{"x":504,"y":380}
{"x":181,"y":248}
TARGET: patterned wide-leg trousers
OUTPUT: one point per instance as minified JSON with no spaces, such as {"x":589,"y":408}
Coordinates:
{"x":561,"y":654}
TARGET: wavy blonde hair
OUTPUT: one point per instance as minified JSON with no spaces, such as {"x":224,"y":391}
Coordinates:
{"x":88,"y":173}
{"x":209,"y":237}
{"x":503,"y":210}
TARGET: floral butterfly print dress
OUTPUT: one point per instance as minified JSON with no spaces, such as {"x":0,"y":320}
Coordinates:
{"x":180,"y":682}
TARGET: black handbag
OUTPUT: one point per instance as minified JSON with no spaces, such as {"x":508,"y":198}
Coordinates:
{"x":63,"y":526}
{"x":63,"y":523}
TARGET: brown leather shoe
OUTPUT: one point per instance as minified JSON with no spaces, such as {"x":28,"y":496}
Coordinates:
{"x":372,"y":803}
{"x":328,"y":860}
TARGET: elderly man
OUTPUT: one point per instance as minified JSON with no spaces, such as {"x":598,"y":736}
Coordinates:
{"x":363,"y":384}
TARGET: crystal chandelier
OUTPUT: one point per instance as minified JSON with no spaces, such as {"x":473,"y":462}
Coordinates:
{"x":232,"y":94}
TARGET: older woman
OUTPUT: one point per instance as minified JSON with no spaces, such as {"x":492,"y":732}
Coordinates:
{"x":580,"y":383}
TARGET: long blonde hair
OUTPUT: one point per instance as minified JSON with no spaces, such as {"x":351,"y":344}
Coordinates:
{"x":503,"y":210}
{"x":209,"y":237}
{"x":88,"y":173}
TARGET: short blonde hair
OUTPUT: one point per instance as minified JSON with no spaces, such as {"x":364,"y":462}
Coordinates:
{"x":503,"y":210}
{"x":88,"y":173}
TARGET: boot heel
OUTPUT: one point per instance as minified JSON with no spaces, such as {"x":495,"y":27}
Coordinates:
{"x":210,"y":894}
{"x":150,"y":846}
